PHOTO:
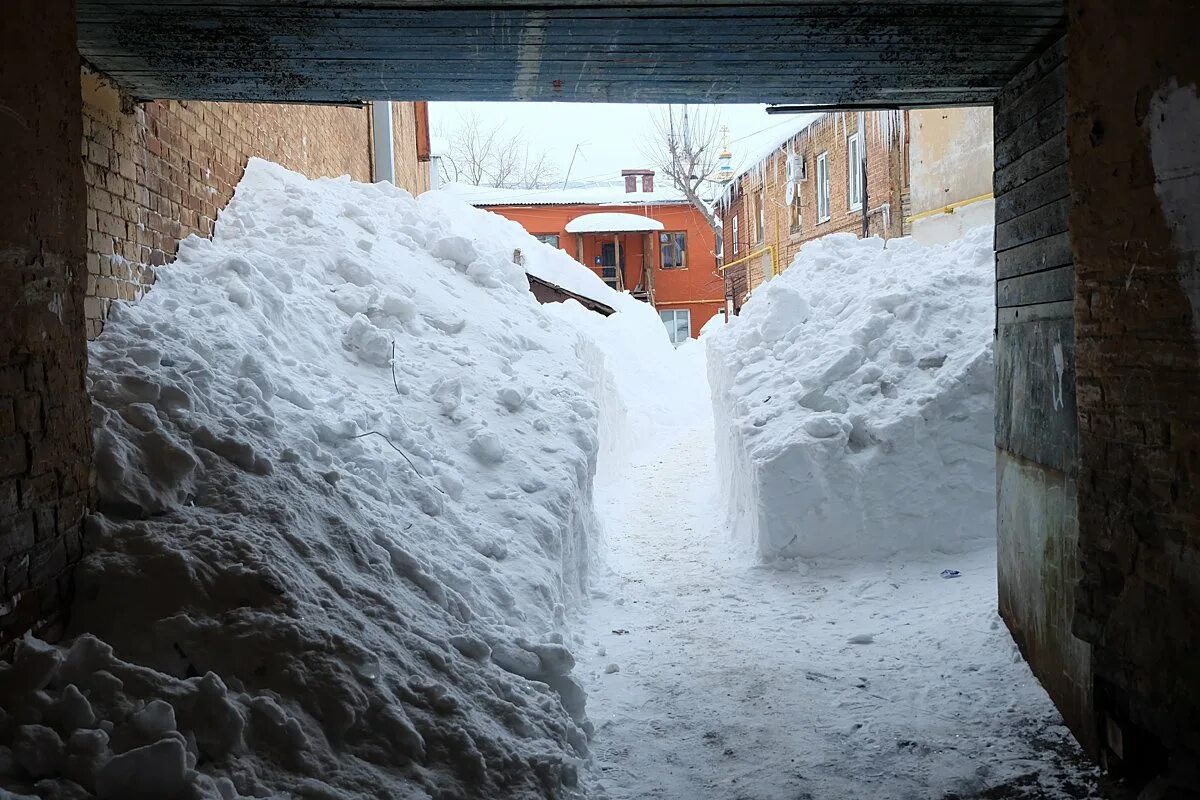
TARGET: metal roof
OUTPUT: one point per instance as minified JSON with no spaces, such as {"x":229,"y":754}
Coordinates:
{"x":853,"y":52}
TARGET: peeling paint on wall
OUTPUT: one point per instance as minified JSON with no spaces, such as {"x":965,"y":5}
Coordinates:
{"x":1173,"y":125}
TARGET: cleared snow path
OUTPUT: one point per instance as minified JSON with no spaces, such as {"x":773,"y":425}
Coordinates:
{"x":710,"y":677}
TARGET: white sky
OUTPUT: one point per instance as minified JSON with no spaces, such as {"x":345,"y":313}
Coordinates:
{"x":610,"y":135}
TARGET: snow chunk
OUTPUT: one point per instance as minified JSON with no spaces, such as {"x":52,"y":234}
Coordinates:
{"x":853,"y":401}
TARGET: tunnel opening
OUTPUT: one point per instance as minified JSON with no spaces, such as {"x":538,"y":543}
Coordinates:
{"x":1085,"y":406}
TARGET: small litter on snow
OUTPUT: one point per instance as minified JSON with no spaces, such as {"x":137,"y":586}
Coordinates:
{"x":950,"y":573}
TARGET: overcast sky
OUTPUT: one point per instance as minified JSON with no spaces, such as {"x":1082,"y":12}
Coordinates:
{"x":609,"y":135}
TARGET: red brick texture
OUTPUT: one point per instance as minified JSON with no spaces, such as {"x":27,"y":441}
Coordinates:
{"x":45,"y":443}
{"x":887,"y":193}
{"x":159,"y":172}
{"x":1138,"y":375}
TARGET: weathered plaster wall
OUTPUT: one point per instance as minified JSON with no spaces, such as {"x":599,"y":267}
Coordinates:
{"x":950,"y":168}
{"x":1134,"y":138}
{"x":1036,"y":426}
{"x":950,"y":153}
{"x":45,"y":444}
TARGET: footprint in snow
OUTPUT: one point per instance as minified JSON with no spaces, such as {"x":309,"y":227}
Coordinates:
{"x":861,"y":638}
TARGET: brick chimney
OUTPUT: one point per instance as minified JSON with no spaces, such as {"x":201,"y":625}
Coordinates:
{"x":631,"y":180}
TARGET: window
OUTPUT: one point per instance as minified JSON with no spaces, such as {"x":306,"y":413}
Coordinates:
{"x":823,"y":187}
{"x":854,"y":160}
{"x":760,"y":218}
{"x":548,"y":238}
{"x":735,"y":234}
{"x":673,"y":250}
{"x":679,"y":324}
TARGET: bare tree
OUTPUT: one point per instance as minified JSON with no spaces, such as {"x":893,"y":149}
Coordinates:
{"x":684,"y":144}
{"x":537,"y":170}
{"x":488,"y":156}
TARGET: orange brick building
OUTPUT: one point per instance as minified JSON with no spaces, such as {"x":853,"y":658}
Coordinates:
{"x":849,"y":172}
{"x":638,"y":238}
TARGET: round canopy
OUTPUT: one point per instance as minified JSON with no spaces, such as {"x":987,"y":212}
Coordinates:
{"x":613,"y":223}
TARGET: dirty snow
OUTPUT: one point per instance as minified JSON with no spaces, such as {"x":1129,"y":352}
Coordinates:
{"x":800,"y":680}
{"x":853,"y":399}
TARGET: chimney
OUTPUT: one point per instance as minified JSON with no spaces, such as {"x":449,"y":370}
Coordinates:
{"x":631,"y":178}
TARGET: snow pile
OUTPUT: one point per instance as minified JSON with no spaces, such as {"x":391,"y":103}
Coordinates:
{"x":548,"y":263}
{"x":644,"y":387}
{"x":853,"y":400}
{"x":345,"y":469}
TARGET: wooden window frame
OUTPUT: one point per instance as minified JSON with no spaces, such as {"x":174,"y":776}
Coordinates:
{"x":662,"y":249}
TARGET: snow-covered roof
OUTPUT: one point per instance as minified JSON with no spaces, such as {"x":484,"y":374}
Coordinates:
{"x":601,"y":195}
{"x":758,"y":147}
{"x":613,"y":223}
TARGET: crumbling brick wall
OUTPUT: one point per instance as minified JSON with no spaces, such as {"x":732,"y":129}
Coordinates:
{"x":45,"y":442}
{"x":1134,"y":120}
{"x":886,"y":196}
{"x":159,"y":172}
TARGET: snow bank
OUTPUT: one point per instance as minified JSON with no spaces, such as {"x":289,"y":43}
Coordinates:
{"x":548,"y":263}
{"x":853,"y":400}
{"x":642,"y":385}
{"x":344,"y":463}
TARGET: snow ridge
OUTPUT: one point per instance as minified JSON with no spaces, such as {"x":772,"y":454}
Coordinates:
{"x":345,"y":466}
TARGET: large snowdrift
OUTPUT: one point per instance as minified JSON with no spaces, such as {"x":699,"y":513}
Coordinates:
{"x":853,"y":400}
{"x":345,"y":469}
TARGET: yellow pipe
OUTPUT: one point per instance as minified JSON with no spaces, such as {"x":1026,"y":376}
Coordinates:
{"x":768,"y":249}
{"x":949,"y":209}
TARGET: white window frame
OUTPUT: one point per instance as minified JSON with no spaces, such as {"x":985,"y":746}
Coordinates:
{"x":673,"y":315}
{"x":544,"y":237}
{"x":735,"y":234}
{"x":822,"y":185}
{"x":854,"y":161}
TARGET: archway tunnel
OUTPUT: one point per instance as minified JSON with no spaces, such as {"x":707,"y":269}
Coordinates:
{"x":1097,"y":239}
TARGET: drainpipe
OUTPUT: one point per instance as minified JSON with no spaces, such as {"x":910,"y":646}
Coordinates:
{"x":384,"y":168}
{"x":862,"y":145}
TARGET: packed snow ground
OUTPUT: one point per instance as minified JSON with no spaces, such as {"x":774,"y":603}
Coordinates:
{"x":715,"y":677}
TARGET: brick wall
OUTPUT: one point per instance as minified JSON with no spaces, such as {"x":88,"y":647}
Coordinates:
{"x":887,"y":191}
{"x":1135,"y":233}
{"x":1036,"y":417}
{"x":45,"y":443}
{"x":159,"y":172}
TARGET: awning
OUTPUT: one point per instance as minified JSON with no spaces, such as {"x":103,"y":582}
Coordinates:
{"x":613,"y":223}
